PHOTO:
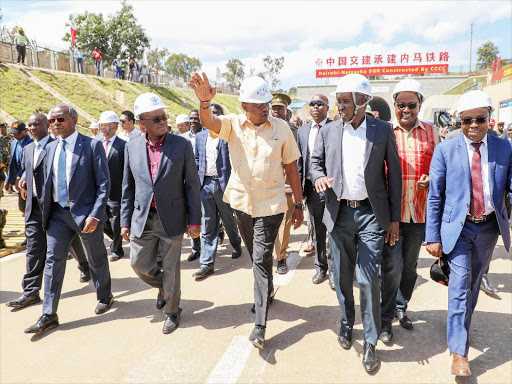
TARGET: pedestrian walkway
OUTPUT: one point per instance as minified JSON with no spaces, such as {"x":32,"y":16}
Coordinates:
{"x":14,"y":230}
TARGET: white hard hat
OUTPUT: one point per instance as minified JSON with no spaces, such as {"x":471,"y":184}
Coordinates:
{"x":108,"y":117}
{"x":473,"y":100}
{"x":355,"y":83}
{"x":255,"y":90}
{"x":182,"y":119}
{"x":408,"y":85}
{"x":147,"y":102}
{"x":94,"y":126}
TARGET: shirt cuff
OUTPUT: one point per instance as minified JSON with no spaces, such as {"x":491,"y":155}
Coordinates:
{"x":194,"y":225}
{"x":125,"y":227}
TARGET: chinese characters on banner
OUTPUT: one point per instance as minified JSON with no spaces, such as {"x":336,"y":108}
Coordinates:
{"x":389,"y":64}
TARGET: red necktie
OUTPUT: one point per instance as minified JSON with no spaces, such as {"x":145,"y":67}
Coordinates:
{"x":477,"y":207}
{"x":318,"y":131}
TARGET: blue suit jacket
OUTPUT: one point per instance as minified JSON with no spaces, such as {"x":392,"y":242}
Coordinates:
{"x":15,"y":168}
{"x":223,"y":163}
{"x":449,"y":195}
{"x":89,"y":185}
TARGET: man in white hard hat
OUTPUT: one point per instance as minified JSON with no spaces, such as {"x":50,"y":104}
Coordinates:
{"x":182,"y":123}
{"x":262,"y":150}
{"x":114,"y":149}
{"x":415,"y":141}
{"x":362,"y":205}
{"x":95,"y":130}
{"x":160,"y":202}
{"x":469,"y":179}
{"x":129,"y":130}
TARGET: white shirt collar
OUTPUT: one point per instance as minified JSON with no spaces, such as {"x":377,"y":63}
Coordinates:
{"x":322,"y":123}
{"x":70,"y":140}
{"x":43,"y":141}
{"x":469,"y":142}
{"x":111,"y":140}
{"x":361,"y":127}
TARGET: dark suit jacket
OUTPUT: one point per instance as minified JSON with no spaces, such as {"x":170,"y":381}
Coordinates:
{"x":176,"y":189}
{"x":449,"y":195}
{"x":223,"y":163}
{"x":384,"y":185}
{"x":31,"y":173}
{"x":15,"y":164}
{"x":89,"y":185}
{"x":306,"y":152}
{"x":116,"y":168}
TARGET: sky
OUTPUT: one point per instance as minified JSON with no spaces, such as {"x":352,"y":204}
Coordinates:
{"x":301,"y":31}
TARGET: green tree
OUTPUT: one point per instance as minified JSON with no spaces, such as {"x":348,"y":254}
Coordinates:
{"x":292,"y":91}
{"x":115,"y":35}
{"x":175,"y":65}
{"x":273,"y":67}
{"x":157,"y":56}
{"x":487,"y":52}
{"x":235,"y":72}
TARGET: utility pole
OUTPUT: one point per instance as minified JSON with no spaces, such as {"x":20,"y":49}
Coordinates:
{"x":470,"y":46}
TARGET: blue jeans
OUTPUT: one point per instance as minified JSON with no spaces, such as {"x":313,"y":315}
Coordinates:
{"x":97,"y":67}
{"x":214,"y":209}
{"x":398,"y":270}
{"x":80,"y":65}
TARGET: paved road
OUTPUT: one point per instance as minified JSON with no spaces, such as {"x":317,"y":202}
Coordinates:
{"x":126,"y":345}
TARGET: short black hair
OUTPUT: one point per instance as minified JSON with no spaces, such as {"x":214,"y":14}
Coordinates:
{"x":217,"y":106}
{"x":194,"y":110}
{"x":129,"y":115}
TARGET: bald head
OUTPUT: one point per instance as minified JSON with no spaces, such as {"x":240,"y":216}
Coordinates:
{"x":322,"y":97}
{"x":37,"y":125}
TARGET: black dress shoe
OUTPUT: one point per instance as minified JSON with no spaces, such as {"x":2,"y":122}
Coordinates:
{"x":193,"y":256}
{"x":204,"y":271}
{"x":386,"y":332}
{"x":236,"y":253}
{"x":257,"y":337}
{"x":23,"y":243}
{"x":272,"y":295}
{"x":319,"y":277}
{"x":115,"y":257}
{"x":331,"y":281}
{"x":45,"y":322}
{"x":486,"y":286}
{"x":160,"y":302}
{"x":171,"y":323}
{"x":104,"y":305}
{"x":85,"y":276}
{"x":222,"y":234}
{"x":282,"y":267}
{"x":405,"y":322}
{"x":24,"y":301}
{"x":345,"y":339}
{"x":370,"y":360}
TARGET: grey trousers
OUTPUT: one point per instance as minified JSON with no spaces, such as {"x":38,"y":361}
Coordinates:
{"x":259,"y":235}
{"x":143,"y":256}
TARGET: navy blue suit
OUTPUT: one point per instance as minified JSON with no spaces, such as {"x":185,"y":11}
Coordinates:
{"x":15,"y":168}
{"x":469,"y":245}
{"x":88,"y":191}
{"x":213,"y":206}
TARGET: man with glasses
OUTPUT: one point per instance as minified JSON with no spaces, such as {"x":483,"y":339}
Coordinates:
{"x":307,"y":136}
{"x":469,"y":179}
{"x":415,"y":141}
{"x":161,"y":201}
{"x":75,"y":193}
{"x":262,"y":149}
{"x":129,"y":131}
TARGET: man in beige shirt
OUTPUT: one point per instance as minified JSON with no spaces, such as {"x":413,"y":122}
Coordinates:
{"x":262,"y":151}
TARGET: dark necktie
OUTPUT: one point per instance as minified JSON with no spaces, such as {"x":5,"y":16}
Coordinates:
{"x":477,"y":206}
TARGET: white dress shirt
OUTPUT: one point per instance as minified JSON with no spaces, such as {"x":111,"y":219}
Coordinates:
{"x":484,"y":154}
{"x":70,"y":146}
{"x":313,"y":132}
{"x":38,"y":147}
{"x":353,"y":151}
{"x":110,"y":142}
{"x":190,"y":137}
{"x":135,"y":132}
{"x":211,"y":156}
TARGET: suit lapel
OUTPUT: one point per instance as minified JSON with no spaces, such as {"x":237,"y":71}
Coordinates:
{"x":166,"y":154}
{"x":113,"y":148}
{"x":77,"y":151}
{"x":339,"y":139}
{"x":51,"y":155}
{"x":305,"y":141}
{"x":464,"y":158}
{"x":371,"y":130}
{"x":144,"y":159}
{"x":491,"y":160}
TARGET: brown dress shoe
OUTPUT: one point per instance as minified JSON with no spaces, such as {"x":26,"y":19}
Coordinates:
{"x":460,"y":366}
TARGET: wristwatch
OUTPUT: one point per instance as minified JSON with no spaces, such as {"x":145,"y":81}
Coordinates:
{"x":299,"y":205}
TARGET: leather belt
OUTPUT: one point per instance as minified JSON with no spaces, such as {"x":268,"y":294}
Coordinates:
{"x":478,"y":220}
{"x":355,"y":203}
{"x":213,"y":177}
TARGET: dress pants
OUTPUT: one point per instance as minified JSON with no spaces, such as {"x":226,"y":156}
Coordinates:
{"x":36,"y":251}
{"x":399,"y":263}
{"x":60,"y":232}
{"x":468,"y":261}
{"x":143,"y":256}
{"x":356,"y":243}
{"x":113,"y":228}
{"x":316,"y":207}
{"x":215,"y":208}
{"x":259,"y":235}
{"x":283,"y":236}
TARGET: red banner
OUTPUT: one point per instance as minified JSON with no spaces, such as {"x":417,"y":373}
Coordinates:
{"x":505,"y":72}
{"x":384,"y":71}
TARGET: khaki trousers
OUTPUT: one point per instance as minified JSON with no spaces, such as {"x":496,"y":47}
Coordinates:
{"x":283,"y":237}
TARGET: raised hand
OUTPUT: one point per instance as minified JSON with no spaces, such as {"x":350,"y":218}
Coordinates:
{"x":201,"y":86}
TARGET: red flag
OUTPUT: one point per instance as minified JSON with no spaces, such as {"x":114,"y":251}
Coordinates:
{"x":73,"y":34}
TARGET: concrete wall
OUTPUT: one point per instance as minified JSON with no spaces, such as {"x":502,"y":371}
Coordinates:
{"x":498,"y":93}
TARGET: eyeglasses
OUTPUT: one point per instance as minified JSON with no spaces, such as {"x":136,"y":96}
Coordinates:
{"x":318,"y":103}
{"x":123,"y":121}
{"x":478,"y":120}
{"x":157,"y":120}
{"x":59,"y":119}
{"x":410,"y":106}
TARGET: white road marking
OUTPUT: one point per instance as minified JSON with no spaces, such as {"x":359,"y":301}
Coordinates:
{"x":13,"y":256}
{"x":232,"y":363}
{"x":293,"y":260}
{"x":263,"y":366}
